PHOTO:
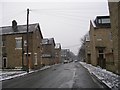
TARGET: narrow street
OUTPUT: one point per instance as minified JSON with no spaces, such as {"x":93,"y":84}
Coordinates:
{"x":70,"y":75}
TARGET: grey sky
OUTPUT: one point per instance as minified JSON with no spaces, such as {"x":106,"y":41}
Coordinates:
{"x":66,"y":21}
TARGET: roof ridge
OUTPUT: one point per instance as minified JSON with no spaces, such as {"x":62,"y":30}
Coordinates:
{"x":20,"y":25}
{"x":21,"y":29}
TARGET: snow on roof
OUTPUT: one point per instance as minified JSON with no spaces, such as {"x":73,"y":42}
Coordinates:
{"x":92,"y":21}
{"x":57,"y":45}
{"x":48,"y":41}
{"x":45,"y":41}
{"x":21,"y":29}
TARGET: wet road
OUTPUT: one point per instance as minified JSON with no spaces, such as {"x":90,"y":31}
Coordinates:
{"x":71,"y":75}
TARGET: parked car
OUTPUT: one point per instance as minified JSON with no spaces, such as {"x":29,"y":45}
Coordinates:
{"x":75,"y":60}
{"x":65,"y":61}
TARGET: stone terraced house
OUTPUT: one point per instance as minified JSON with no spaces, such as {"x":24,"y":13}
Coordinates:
{"x":99,"y":48}
{"x":114,"y":10}
{"x":14,"y":39}
{"x":48,"y":51}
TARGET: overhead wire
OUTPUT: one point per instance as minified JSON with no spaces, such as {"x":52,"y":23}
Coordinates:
{"x":67,"y":23}
{"x":66,"y":16}
{"x":46,"y":13}
{"x":76,"y":45}
{"x":7,"y":17}
{"x":54,"y":14}
{"x":58,"y":14}
{"x":63,"y":12}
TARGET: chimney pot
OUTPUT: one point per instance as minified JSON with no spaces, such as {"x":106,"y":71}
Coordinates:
{"x":14,"y":25}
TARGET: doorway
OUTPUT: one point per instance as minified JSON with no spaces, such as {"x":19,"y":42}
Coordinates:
{"x":101,"y":58}
{"x":4,"y":62}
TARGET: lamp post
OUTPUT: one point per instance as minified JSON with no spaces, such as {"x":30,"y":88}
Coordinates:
{"x":27,"y":41}
{"x":41,"y":54}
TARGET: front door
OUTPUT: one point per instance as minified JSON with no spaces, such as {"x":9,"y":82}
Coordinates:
{"x":4,"y":62}
{"x":89,"y":58}
{"x":101,"y":58}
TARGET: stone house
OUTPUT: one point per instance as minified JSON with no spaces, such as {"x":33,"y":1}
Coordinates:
{"x":65,"y":54}
{"x":101,"y":49}
{"x":48,"y":51}
{"x":87,"y":49}
{"x":14,"y":43}
{"x":57,"y":53}
{"x":114,"y":10}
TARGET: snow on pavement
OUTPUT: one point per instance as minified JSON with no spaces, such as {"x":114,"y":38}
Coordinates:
{"x":4,"y":75}
{"x":11,"y":74}
{"x":107,"y":77}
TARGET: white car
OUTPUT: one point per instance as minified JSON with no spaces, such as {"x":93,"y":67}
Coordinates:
{"x":65,"y":61}
{"x":75,"y":60}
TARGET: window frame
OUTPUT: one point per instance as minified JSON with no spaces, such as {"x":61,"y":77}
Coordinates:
{"x":18,"y":38}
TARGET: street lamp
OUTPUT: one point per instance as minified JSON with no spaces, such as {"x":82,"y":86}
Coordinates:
{"x":27,"y":41}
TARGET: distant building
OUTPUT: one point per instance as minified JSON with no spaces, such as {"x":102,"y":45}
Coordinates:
{"x":57,"y":53}
{"x":114,"y":9}
{"x":14,"y":39}
{"x":87,"y":49}
{"x":48,"y":51}
{"x":100,"y":48}
{"x":65,"y":54}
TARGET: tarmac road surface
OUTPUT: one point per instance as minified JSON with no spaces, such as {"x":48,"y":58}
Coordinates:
{"x":70,"y":75}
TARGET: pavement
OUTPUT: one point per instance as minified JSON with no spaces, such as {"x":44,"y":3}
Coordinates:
{"x":82,"y":75}
{"x":70,"y":75}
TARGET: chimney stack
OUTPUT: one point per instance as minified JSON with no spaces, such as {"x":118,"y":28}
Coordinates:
{"x":14,"y":26}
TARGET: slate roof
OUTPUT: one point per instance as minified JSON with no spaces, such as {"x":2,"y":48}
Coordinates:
{"x":21,"y":29}
{"x":57,"y":45}
{"x":48,"y":41}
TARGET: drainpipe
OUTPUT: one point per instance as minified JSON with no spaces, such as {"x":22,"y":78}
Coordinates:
{"x":22,"y":54}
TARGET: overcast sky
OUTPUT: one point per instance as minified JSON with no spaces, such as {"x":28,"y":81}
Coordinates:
{"x":67,"y":21}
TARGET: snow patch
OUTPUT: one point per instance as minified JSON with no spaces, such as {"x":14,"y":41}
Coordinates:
{"x":11,"y":74}
{"x":107,"y":77}
{"x":8,"y":74}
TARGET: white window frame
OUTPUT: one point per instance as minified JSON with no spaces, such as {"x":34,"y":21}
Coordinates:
{"x":25,"y":42}
{"x":18,"y":38}
{"x":36,"y":61}
{"x":105,"y":20}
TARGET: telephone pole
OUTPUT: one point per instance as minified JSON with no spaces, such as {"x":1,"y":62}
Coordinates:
{"x":27,"y":40}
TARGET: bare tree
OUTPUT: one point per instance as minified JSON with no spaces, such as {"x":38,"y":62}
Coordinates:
{"x":81,"y":52}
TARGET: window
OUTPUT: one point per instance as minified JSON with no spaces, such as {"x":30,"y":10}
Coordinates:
{"x":99,"y":39}
{"x":3,"y":42}
{"x":106,"y":20}
{"x":36,"y":63}
{"x":101,"y":51}
{"x":45,"y":41}
{"x":25,"y":43}
{"x":99,"y":20}
{"x":18,"y":43}
{"x":110,"y":36}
